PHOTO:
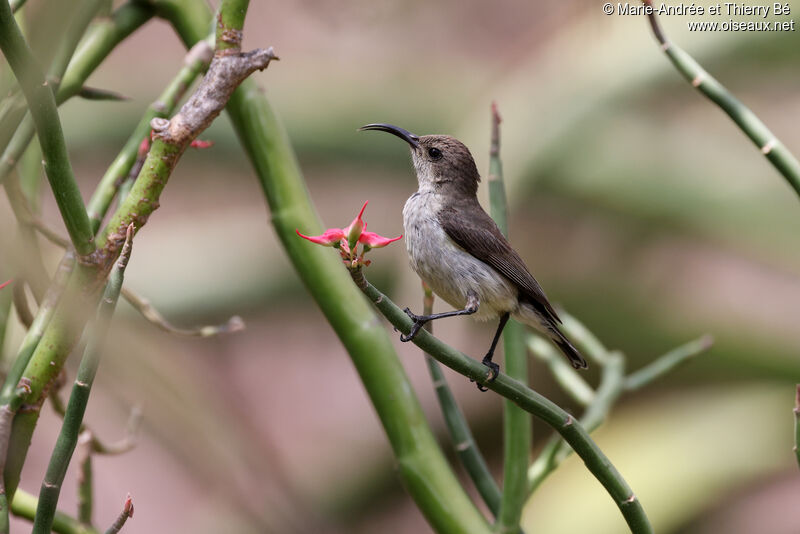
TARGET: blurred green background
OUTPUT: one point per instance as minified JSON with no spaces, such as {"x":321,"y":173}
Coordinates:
{"x":636,"y":203}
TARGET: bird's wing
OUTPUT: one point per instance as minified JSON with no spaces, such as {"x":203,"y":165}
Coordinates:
{"x":480,"y":236}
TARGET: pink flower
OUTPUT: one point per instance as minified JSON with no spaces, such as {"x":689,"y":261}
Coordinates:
{"x":373,"y":240}
{"x":331,"y":238}
{"x":348,"y":239}
{"x":353,"y":231}
{"x":4,"y":284}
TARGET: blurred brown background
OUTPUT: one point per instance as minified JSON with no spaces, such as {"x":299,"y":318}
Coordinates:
{"x":637,"y":204}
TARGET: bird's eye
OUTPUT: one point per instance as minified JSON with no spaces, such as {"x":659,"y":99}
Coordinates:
{"x":435,"y":153}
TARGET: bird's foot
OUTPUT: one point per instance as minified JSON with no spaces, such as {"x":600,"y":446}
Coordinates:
{"x":419,"y":322}
{"x":493,"y":367}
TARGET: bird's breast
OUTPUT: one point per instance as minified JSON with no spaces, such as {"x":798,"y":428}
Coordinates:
{"x":448,"y":269}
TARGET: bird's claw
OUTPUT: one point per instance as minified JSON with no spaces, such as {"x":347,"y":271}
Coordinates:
{"x":494,"y":372}
{"x":415,"y":328}
{"x":414,"y":317}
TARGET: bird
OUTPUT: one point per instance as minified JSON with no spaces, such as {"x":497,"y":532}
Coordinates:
{"x":456,"y":248}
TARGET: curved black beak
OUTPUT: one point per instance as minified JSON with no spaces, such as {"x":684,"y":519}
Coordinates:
{"x":405,"y":135}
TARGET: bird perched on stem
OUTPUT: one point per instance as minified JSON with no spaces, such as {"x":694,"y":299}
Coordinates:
{"x":458,"y":250}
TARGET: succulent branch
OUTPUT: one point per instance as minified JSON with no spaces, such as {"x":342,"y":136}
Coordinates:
{"x":24,"y":505}
{"x":613,"y":383}
{"x":769,"y":145}
{"x":517,"y":423}
{"x":460,"y":434}
{"x":42,"y":104}
{"x":100,"y":39}
{"x":131,"y":157}
{"x":230,"y":21}
{"x":8,"y":409}
{"x":571,"y":430}
{"x":76,"y":407}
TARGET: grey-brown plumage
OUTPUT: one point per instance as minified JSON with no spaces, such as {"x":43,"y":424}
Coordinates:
{"x":459,"y":251}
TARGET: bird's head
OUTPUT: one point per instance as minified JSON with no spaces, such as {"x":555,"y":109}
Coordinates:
{"x":443,"y":163}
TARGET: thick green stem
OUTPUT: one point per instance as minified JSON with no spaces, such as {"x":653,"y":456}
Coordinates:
{"x":571,"y":430}
{"x":769,"y":145}
{"x":76,"y":407}
{"x":42,"y":105}
{"x":464,"y":443}
{"x":230,"y":21}
{"x":196,"y":62}
{"x":517,"y":429}
{"x":24,"y":505}
{"x":101,"y":38}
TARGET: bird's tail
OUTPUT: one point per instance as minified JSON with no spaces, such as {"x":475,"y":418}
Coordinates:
{"x":532,"y":317}
{"x":568,"y":349}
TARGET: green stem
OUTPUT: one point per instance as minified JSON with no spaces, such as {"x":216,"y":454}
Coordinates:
{"x":769,"y":145}
{"x":666,"y":363}
{"x":8,"y":410}
{"x":42,"y":105}
{"x":517,"y":430}
{"x":196,"y":62}
{"x":796,"y":410}
{"x":230,"y":22}
{"x":556,"y":451}
{"x":35,"y":332}
{"x":85,"y":478}
{"x":76,"y":407}
{"x":464,"y":443}
{"x":101,"y":38}
{"x":24,"y":505}
{"x":570,"y":429}
{"x":84,"y":14}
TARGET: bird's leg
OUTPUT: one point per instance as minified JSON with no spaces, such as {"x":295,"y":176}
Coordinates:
{"x":487,"y":360}
{"x":420,"y":320}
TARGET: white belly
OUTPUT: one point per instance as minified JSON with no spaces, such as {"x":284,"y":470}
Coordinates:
{"x":449,"y":270}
